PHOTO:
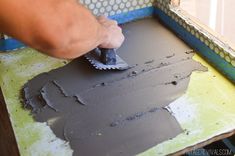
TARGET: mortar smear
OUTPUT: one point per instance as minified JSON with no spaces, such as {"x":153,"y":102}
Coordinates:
{"x":113,"y":112}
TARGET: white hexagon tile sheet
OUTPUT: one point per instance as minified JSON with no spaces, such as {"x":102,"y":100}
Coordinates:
{"x":112,"y":7}
{"x":228,"y":54}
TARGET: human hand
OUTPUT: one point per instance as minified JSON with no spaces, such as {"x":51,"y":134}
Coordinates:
{"x":113,"y":33}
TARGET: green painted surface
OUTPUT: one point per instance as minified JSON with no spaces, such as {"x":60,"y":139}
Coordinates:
{"x":16,"y":68}
{"x":206,"y":110}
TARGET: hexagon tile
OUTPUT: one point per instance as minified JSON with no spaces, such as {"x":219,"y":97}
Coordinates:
{"x":112,"y":7}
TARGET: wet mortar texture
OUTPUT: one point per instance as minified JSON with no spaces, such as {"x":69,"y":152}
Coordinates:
{"x":116,"y":112}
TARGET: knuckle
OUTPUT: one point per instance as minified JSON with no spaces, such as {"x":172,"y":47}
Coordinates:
{"x":102,"y":19}
{"x":113,"y":22}
{"x":123,"y":39}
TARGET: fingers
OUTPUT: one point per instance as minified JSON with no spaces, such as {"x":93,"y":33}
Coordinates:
{"x":115,"y":37}
{"x":114,"y":22}
{"x":103,"y":19}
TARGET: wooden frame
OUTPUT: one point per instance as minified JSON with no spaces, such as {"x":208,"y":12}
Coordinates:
{"x":8,"y":145}
{"x":214,"y":42}
{"x":191,"y":25}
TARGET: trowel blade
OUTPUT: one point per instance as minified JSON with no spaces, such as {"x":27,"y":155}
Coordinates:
{"x":94,"y":58}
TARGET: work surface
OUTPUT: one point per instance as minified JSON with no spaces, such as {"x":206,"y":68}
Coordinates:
{"x":117,"y":112}
{"x":204,"y":111}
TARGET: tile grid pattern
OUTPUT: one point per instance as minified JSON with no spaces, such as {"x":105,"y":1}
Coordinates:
{"x":110,"y":7}
{"x":225,"y":52}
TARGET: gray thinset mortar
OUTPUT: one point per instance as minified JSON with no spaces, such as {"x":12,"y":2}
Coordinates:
{"x":117,"y":112}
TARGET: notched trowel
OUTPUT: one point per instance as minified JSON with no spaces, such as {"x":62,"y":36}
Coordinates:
{"x":106,"y":59}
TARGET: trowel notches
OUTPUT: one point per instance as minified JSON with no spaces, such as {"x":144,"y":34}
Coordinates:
{"x":106,"y":59}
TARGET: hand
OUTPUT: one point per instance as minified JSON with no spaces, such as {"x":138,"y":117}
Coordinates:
{"x":114,"y":37}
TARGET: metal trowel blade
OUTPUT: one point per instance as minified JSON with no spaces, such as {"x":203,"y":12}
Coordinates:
{"x":94,"y":57}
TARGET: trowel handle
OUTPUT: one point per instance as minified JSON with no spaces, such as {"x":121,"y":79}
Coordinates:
{"x":108,"y":56}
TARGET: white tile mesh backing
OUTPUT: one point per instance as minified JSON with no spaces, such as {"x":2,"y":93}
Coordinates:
{"x":112,"y":7}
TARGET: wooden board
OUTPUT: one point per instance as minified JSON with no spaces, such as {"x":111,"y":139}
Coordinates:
{"x":8,"y":145}
{"x":207,"y":92}
{"x":206,"y":111}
